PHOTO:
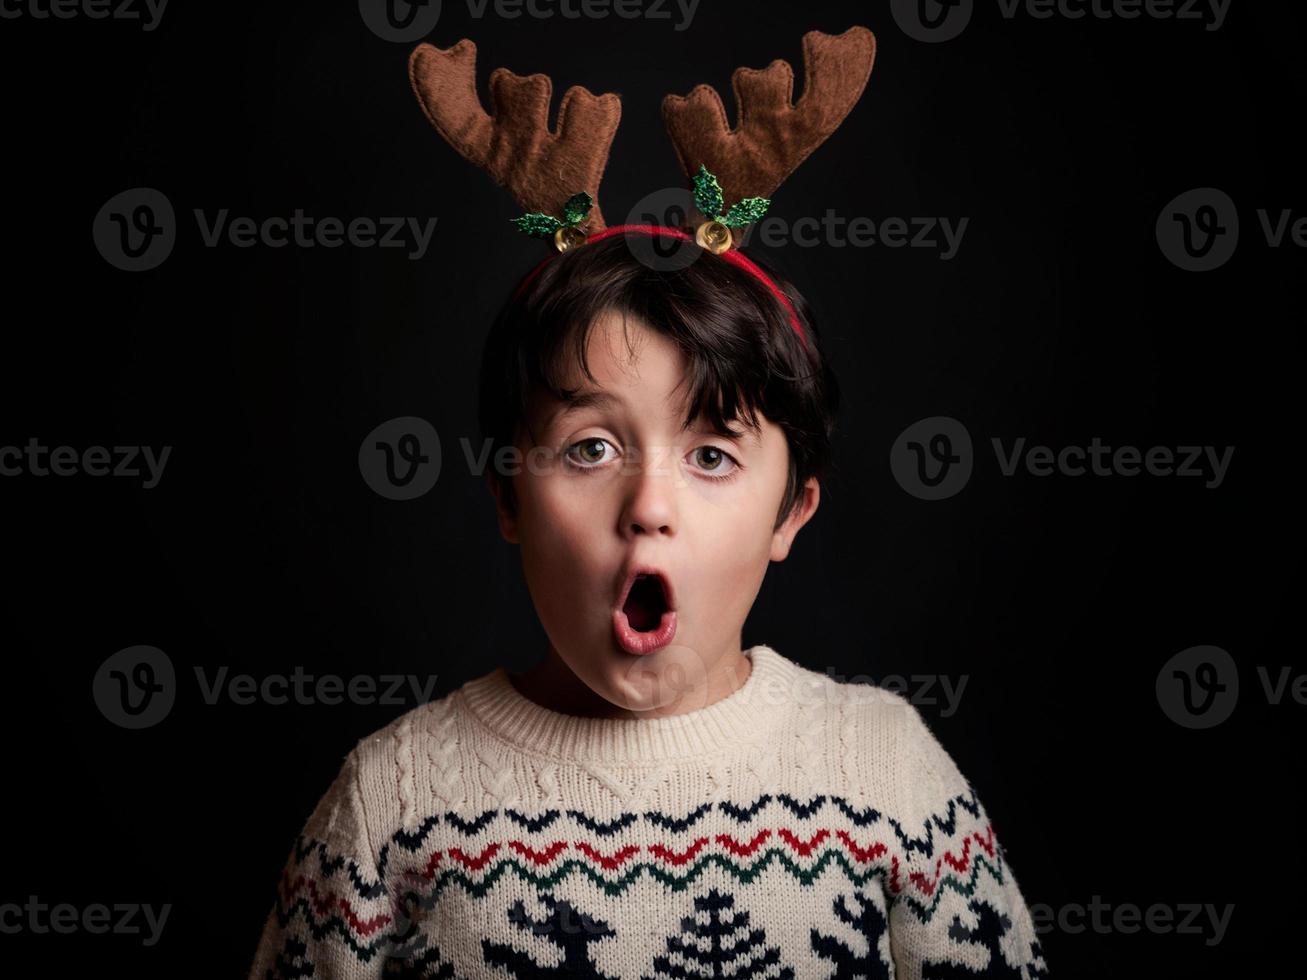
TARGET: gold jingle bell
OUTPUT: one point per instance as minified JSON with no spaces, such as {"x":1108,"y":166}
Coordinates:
{"x":714,"y":236}
{"x":568,"y":237}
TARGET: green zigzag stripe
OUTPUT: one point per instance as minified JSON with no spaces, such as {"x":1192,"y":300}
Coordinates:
{"x":924,"y":911}
{"x":952,"y":882}
{"x":965,"y":887}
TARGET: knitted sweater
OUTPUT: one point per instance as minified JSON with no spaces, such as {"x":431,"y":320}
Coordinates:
{"x":798,"y":828}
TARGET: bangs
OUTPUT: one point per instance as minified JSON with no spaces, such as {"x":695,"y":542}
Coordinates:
{"x":724,"y":323}
{"x":715,"y":390}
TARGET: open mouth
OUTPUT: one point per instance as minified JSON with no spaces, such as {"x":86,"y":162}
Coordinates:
{"x":645,"y":603}
{"x":645,"y":619}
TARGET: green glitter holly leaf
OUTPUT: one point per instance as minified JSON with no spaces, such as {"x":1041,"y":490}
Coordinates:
{"x":577,"y":209}
{"x":538,"y":225}
{"x":745,"y":212}
{"x":708,"y":199}
{"x":707,"y":193}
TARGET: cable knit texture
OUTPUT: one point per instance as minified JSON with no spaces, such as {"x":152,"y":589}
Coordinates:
{"x":798,"y":828}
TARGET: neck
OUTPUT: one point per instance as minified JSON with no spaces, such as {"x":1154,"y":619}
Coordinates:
{"x":552,"y":684}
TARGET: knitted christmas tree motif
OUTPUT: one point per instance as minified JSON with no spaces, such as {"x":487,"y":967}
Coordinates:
{"x":870,"y":922}
{"x":563,"y":926}
{"x":991,"y":926}
{"x":724,"y":946}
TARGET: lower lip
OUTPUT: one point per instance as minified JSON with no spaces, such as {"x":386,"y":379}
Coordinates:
{"x":639,"y":644}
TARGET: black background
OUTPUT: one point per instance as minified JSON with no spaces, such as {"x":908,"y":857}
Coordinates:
{"x":262,"y":548}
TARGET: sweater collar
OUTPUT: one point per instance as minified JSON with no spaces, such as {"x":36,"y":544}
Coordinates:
{"x":745,"y":715}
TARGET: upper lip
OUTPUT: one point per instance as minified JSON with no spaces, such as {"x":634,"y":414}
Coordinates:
{"x":636,"y":569}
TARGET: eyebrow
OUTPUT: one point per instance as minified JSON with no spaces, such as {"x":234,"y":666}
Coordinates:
{"x":602,"y":399}
{"x":583,"y":400}
{"x":588,"y":399}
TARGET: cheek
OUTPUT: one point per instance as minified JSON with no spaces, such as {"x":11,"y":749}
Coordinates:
{"x":561,"y":526}
{"x":731,"y":537}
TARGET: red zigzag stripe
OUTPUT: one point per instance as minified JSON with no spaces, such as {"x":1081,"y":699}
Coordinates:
{"x":326,"y":901}
{"x":323,"y":902}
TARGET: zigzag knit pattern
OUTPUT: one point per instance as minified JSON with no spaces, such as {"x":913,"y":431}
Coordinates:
{"x":798,"y":828}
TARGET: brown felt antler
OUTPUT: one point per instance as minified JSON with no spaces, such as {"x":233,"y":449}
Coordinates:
{"x":513,"y":142}
{"x":772,"y":137}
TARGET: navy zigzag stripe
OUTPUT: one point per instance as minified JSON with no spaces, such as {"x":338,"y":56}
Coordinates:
{"x":330,"y":865}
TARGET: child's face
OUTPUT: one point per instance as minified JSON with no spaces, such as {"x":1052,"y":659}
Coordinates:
{"x":617,"y":482}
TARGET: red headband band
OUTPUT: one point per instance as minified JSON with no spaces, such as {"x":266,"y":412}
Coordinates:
{"x":731,"y":255}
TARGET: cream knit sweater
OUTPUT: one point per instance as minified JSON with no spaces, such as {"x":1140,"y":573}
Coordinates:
{"x":798,"y":828}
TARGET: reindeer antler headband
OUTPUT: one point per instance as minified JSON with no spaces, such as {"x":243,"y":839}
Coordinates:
{"x":556,"y":175}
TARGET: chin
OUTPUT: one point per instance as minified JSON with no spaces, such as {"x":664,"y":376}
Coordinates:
{"x":670,"y":677}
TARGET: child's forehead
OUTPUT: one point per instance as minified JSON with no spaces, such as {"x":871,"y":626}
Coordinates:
{"x":547,"y":408}
{"x":596,"y":396}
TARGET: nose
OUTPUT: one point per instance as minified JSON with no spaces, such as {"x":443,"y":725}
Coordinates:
{"x":650,"y":503}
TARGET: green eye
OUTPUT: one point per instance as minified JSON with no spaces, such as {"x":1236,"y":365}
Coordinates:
{"x":715,"y":456}
{"x":583,"y":455}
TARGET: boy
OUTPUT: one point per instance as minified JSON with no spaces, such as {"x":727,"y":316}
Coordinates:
{"x":652,"y":800}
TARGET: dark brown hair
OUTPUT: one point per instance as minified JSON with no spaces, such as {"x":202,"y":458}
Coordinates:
{"x":743,"y":354}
